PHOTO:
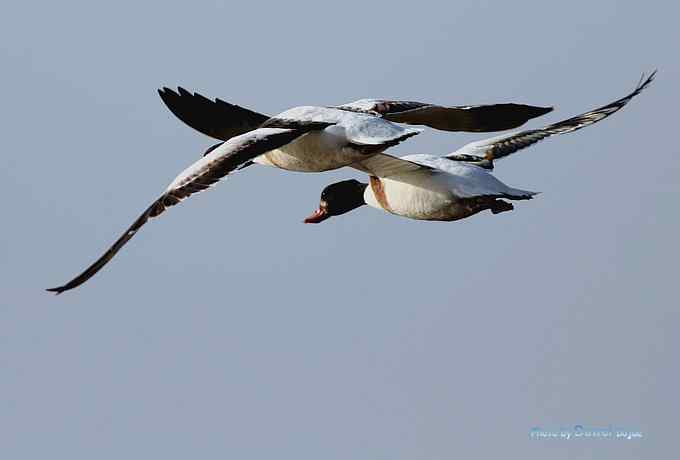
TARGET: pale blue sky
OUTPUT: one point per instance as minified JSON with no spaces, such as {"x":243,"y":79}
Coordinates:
{"x":228,"y":329}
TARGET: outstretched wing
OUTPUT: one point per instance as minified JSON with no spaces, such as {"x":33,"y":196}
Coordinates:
{"x":223,"y":120}
{"x":196,"y":178}
{"x":217,"y":118}
{"x":471,"y":118}
{"x":498,"y":147}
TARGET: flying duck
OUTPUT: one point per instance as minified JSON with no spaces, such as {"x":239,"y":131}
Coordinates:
{"x":310,"y":138}
{"x":222,"y":120}
{"x":306,"y":138}
{"x":452,"y":187}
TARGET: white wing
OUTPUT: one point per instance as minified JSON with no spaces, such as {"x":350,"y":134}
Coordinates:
{"x":358,"y":128}
{"x":465,"y":180}
{"x":196,"y":178}
{"x":384,"y":165}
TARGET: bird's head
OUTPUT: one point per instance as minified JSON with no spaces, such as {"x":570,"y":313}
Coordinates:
{"x":338,"y":198}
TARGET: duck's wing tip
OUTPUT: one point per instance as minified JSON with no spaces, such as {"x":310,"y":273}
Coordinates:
{"x":215,"y":118}
{"x":504,"y":145}
{"x":198,"y":177}
{"x":469,"y":118}
{"x":539,"y":111}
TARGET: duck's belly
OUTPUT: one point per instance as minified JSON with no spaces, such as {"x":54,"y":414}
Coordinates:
{"x":313,"y":152}
{"x":416,"y":202}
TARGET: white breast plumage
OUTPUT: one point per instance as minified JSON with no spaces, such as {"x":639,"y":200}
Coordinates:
{"x":417,"y":196}
{"x":314,"y":152}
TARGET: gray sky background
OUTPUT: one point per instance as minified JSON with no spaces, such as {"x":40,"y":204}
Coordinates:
{"x":228,"y":329}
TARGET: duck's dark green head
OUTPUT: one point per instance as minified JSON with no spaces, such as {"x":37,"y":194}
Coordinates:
{"x":337,"y":199}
